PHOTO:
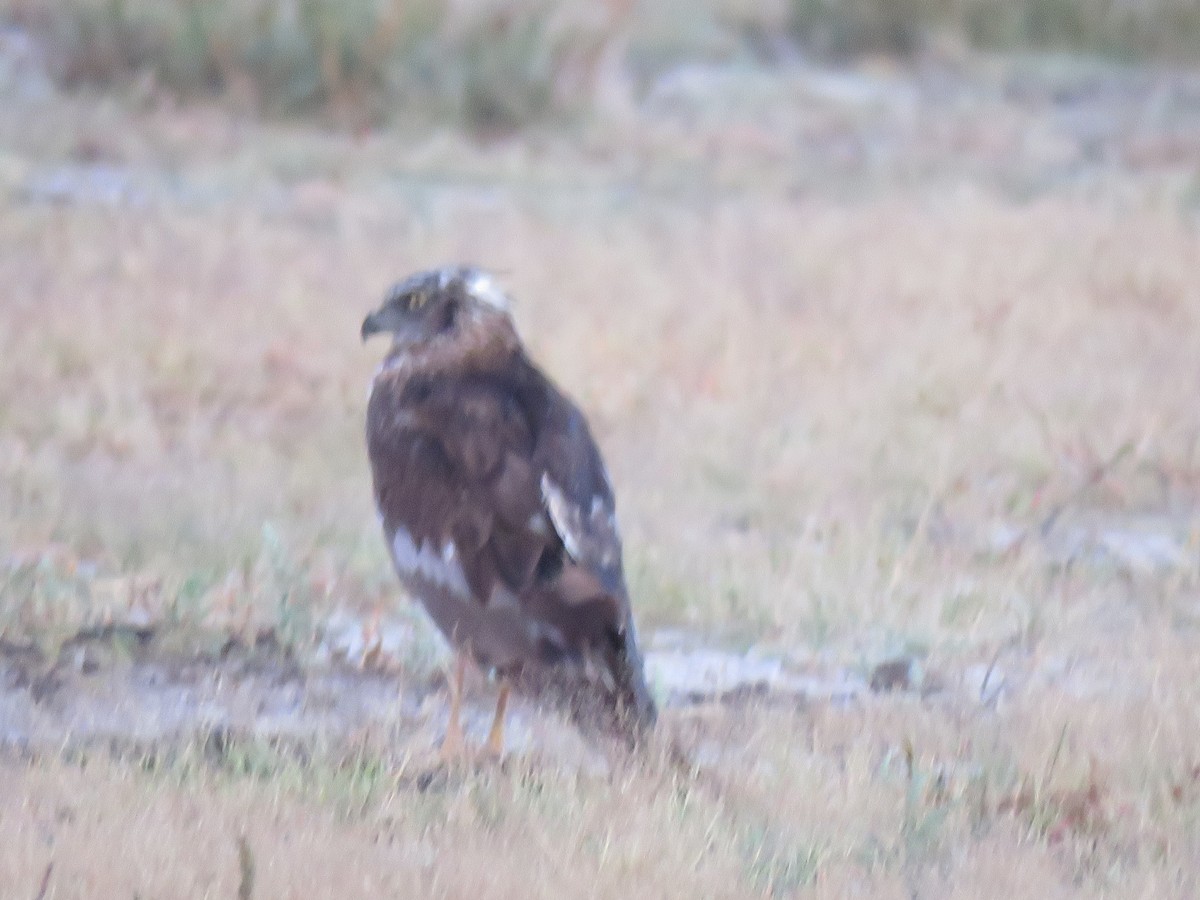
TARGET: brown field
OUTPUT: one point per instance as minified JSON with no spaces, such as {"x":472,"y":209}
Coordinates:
{"x":891,"y":367}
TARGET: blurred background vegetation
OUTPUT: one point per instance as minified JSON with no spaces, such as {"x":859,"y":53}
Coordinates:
{"x":504,"y":64}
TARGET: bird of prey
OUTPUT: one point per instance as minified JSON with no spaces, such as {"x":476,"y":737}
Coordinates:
{"x":496,"y":505}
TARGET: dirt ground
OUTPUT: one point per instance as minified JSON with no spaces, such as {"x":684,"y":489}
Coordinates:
{"x":895,"y":369}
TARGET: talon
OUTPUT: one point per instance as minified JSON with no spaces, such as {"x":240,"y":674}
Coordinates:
{"x":495,"y":740}
{"x":454,"y":744}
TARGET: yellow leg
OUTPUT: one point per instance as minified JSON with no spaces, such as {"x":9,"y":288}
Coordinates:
{"x":495,"y":740}
{"x":453,"y":744}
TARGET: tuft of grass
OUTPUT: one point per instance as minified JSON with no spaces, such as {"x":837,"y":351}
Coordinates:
{"x":501,"y":66}
{"x":851,"y":27}
{"x":511,"y":65}
{"x":1152,"y":29}
{"x":776,"y":867}
{"x":245,"y":869}
{"x":1157,"y":28}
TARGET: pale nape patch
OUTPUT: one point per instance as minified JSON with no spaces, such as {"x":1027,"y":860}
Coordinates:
{"x":426,"y":562}
{"x":483,"y":287}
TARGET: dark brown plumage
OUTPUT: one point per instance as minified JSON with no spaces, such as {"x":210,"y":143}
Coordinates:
{"x":495,"y":502}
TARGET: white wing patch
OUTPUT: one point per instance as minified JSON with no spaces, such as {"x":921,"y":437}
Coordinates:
{"x":564,"y":516}
{"x":599,"y":530}
{"x":442,"y":568}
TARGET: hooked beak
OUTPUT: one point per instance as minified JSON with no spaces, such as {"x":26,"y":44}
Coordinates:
{"x":371,"y":325}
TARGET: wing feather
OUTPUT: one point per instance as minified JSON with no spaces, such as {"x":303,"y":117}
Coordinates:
{"x":506,"y":471}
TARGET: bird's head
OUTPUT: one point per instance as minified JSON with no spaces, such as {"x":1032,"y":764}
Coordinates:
{"x":435,"y":303}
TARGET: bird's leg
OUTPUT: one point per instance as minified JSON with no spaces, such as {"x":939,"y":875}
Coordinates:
{"x":453,"y":744}
{"x":495,"y":739}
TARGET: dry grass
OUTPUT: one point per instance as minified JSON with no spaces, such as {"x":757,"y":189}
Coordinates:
{"x":815,"y":411}
{"x":766,"y":379}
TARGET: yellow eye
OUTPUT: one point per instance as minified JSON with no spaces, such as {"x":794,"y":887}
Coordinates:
{"x":417,"y":300}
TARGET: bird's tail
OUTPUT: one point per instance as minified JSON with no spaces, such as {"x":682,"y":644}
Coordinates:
{"x":612,"y":693}
{"x":635,"y":703}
